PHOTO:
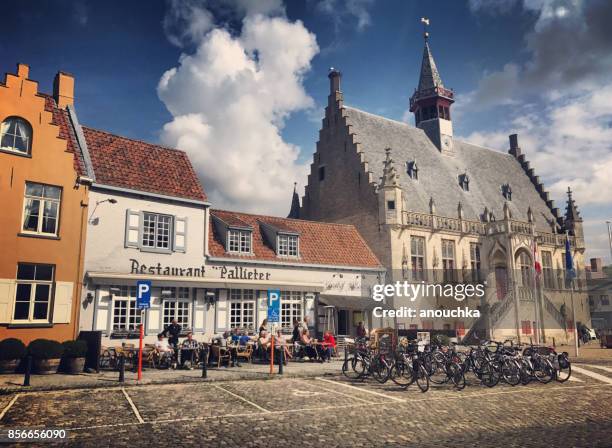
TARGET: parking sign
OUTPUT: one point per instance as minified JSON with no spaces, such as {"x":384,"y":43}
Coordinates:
{"x":143,"y":296}
{"x":273,"y":306}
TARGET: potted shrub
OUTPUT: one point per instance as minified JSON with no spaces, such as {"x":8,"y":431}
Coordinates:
{"x":11,"y":352}
{"x":74,"y":356}
{"x":46,"y":355}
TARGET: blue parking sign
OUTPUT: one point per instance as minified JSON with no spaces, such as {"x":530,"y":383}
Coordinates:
{"x":273,"y":306}
{"x":143,"y":295}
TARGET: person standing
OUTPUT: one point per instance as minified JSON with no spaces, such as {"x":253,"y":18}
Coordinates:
{"x":361,"y":331}
{"x":173,"y":332}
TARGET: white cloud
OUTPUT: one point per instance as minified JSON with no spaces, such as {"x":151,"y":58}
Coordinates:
{"x":229,"y":101}
{"x":342,"y":11}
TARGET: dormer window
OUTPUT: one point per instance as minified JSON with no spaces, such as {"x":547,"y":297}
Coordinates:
{"x":464,"y":182}
{"x":507,"y":191}
{"x":16,"y":135}
{"x":412,"y":169}
{"x":239,"y":241}
{"x":287,"y":245}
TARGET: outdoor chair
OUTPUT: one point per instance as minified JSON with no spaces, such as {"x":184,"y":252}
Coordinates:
{"x":221,"y":354}
{"x":245,"y":352}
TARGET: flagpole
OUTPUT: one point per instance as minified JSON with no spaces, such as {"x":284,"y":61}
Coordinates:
{"x":569,"y":268}
{"x":536,"y":291}
{"x":609,"y":224}
{"x":574,"y":317}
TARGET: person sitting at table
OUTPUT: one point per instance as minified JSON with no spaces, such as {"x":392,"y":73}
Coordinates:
{"x":163,"y":348}
{"x":224,"y":342}
{"x":235,"y":335}
{"x":309,"y":346}
{"x":263,"y":327}
{"x":329,"y":345}
{"x":188,"y":348}
{"x":280,"y":345}
{"x":244,"y":338}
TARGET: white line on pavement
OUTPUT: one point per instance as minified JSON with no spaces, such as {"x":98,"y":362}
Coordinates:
{"x":241,"y":398}
{"x":8,"y":406}
{"x":401,"y":400}
{"x":597,"y":376}
{"x":339,"y":393}
{"x":134,"y":408}
{"x":594,"y":366}
{"x":574,"y":379}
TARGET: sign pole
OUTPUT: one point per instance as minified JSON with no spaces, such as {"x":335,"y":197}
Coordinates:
{"x":143,"y":302}
{"x":140,"y":345}
{"x":272,"y":354}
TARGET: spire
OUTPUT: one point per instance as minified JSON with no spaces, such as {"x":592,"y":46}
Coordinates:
{"x":295,"y":204}
{"x":430,"y":77}
{"x":389,"y":177}
{"x":571,"y":210}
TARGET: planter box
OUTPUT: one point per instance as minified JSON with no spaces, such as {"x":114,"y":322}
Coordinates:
{"x":74,"y":366}
{"x":8,"y":365}
{"x":46,"y":366}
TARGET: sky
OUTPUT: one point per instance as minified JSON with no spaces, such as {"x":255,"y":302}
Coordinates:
{"x":241,"y":84}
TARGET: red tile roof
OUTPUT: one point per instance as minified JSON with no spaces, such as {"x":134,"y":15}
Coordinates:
{"x":66,"y":131}
{"x":320,"y":243}
{"x":137,"y":165}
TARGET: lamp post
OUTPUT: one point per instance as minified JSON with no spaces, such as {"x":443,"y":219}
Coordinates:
{"x":109,"y":200}
{"x":609,"y":224}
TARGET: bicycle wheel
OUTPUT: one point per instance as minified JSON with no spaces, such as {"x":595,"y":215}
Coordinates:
{"x":380,"y":370}
{"x":401,"y":374}
{"x":544,"y":371}
{"x":439,"y":374}
{"x":455,"y":371}
{"x":526,"y":372}
{"x":422,"y":379}
{"x":489,"y":374}
{"x":510,"y":372}
{"x":564,"y":369}
{"x":353,"y":368}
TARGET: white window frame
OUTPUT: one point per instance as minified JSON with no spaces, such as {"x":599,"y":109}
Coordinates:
{"x":475,"y":261}
{"x":43,"y":201}
{"x":133,"y":316}
{"x":157,"y":221}
{"x":4,"y":131}
{"x":239,"y":241}
{"x":181,"y":301}
{"x":416,"y":256}
{"x":291,"y":307}
{"x":34,"y":283}
{"x":243,"y":306}
{"x":448,"y":260}
{"x":288,"y":245}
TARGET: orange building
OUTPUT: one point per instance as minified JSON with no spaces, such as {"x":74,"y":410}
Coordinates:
{"x":43,"y":210}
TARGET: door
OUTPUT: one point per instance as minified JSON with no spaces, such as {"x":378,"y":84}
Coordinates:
{"x":343,"y":322}
{"x":501,"y":282}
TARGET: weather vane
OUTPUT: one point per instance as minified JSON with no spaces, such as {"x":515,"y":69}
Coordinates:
{"x":425,"y":22}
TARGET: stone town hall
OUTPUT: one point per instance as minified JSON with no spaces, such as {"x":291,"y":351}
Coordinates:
{"x":437,"y":209}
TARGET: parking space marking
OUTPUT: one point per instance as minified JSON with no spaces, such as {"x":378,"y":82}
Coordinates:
{"x":597,"y":376}
{"x":134,"y":408}
{"x":574,"y":379}
{"x":401,"y":400}
{"x":8,"y":406}
{"x":594,"y":366}
{"x":340,"y":393}
{"x":241,"y":398}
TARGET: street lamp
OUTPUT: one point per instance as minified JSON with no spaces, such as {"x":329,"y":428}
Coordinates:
{"x":609,"y":224}
{"x":109,"y":200}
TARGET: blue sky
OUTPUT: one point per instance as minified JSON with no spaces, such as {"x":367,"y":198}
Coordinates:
{"x":498,"y":56}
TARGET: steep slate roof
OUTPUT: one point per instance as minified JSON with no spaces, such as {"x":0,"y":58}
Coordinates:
{"x":438,"y":174}
{"x":60,"y":118}
{"x":429,"y":77}
{"x":320,"y":243}
{"x":137,"y":165}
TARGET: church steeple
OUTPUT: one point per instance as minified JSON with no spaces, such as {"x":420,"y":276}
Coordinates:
{"x":573,"y":220}
{"x":295,"y":204}
{"x":431,"y":102}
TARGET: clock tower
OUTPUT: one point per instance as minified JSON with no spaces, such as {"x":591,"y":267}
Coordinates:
{"x":431,"y":102}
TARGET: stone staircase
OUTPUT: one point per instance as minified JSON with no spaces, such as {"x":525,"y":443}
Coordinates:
{"x":497,"y":311}
{"x":554,"y":312}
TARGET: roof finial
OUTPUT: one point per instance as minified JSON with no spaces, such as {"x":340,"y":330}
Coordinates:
{"x":425,"y":22}
{"x":569,"y":193}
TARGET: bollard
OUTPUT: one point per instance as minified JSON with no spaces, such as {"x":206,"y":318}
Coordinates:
{"x":122,"y":368}
{"x":554,"y":343}
{"x":345,"y":354}
{"x":28,"y":371}
{"x":204,"y":356}
{"x":281,"y":360}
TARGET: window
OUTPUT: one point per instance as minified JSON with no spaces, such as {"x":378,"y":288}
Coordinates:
{"x":291,"y":308}
{"x":413,"y":170}
{"x":604,"y":300}
{"x":475,"y":261}
{"x":417,"y":257}
{"x":547,"y":270}
{"x":126,"y":316}
{"x":178,"y":307}
{"x":464,"y":182}
{"x":16,"y":135}
{"x":41,"y":209}
{"x":507,"y":191}
{"x":239,"y":241}
{"x":156,"y":231}
{"x":448,"y":260}
{"x":524,"y":265}
{"x":33,"y":292}
{"x":390,"y":205}
{"x":288,"y":245}
{"x":242,"y":309}
{"x":321,"y":173}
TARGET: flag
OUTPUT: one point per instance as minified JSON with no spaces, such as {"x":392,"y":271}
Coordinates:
{"x":536,"y":259}
{"x":569,"y":261}
{"x":425,"y":20}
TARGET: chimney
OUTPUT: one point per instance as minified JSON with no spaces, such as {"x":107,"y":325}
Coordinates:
{"x":63,"y":89}
{"x":514,"y":147}
{"x":334,"y":80}
{"x":23,"y":71}
{"x":596,"y":265}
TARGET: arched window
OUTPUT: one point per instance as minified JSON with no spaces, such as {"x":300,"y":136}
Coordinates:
{"x":524,"y":265}
{"x":16,"y":135}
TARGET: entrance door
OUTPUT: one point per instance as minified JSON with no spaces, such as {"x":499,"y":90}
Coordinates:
{"x":501,"y":282}
{"x":343,"y":322}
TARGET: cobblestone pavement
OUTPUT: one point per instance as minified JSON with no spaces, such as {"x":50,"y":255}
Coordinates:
{"x":326,"y":411}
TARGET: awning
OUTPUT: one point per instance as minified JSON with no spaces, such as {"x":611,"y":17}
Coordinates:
{"x":109,"y":278}
{"x":350,"y":303}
